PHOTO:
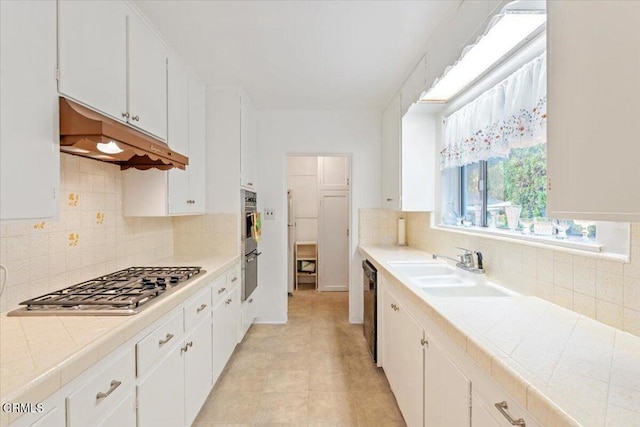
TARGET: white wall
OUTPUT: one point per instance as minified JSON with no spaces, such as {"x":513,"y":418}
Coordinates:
{"x":283,"y":132}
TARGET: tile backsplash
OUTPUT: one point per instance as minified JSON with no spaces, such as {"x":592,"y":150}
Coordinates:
{"x":91,"y":237}
{"x":378,"y":226}
{"x":603,"y":289}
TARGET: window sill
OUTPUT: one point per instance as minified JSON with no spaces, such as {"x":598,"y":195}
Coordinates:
{"x":549,"y":242}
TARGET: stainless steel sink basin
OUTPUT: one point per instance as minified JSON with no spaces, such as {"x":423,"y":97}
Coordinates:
{"x":419,"y":269}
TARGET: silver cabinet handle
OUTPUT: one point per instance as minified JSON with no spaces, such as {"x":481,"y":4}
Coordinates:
{"x":125,"y":115}
{"x":221,"y":290}
{"x":424,"y":342}
{"x":202,"y":307}
{"x":165,"y":340}
{"x":227,"y":302}
{"x":250,"y":184}
{"x":251,"y":300}
{"x":234,"y":279}
{"x":135,"y":118}
{"x":503,"y":408}
{"x":114,"y":385}
{"x":186,"y":347}
{"x":395,"y":307}
{"x":190,"y":344}
{"x":388,"y":199}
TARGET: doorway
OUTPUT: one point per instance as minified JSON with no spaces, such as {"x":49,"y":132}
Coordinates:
{"x":319,"y":200}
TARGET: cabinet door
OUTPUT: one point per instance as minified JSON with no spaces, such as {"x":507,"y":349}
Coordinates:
{"x":593,"y":108}
{"x":333,"y":172}
{"x":147,"y":79}
{"x":54,"y":418}
{"x":391,"y":129}
{"x":178,"y":136}
{"x":248,"y":143}
{"x":124,"y":415}
{"x":29,"y":151}
{"x":403,"y":358}
{"x":248,"y":316}
{"x":447,"y":391}
{"x":161,"y":393}
{"x":225,"y":331}
{"x":197,"y":369}
{"x":92,"y":54}
{"x":196,"y":168}
{"x":482,"y":414}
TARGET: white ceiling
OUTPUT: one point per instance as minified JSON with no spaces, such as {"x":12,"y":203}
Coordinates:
{"x":301,"y":54}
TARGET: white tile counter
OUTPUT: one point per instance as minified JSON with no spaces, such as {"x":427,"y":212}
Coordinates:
{"x":39,"y":355}
{"x":565,"y":368}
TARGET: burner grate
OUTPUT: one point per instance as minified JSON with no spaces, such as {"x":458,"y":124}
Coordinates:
{"x":124,"y":289}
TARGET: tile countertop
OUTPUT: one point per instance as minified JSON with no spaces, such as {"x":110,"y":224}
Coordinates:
{"x":565,"y":368}
{"x":39,"y":355}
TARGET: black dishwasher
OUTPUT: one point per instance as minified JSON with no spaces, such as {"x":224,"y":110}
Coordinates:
{"x":370,"y":318}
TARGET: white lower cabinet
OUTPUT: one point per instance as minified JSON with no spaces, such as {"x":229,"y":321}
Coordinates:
{"x":434,"y":381}
{"x":197,"y":369}
{"x":226,"y":316}
{"x":248,"y":316}
{"x":403,"y":358}
{"x":447,"y":391}
{"x":55,"y":417}
{"x":124,"y":414}
{"x":161,"y":392}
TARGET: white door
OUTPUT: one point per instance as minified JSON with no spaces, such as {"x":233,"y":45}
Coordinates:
{"x":161,"y":393}
{"x":92,"y":54}
{"x":197,"y":369}
{"x":226,"y":318}
{"x":29,"y":151}
{"x":333,"y":172}
{"x":147,"y":79}
{"x":333,"y":241}
{"x":391,"y":134}
{"x":197,"y":126}
{"x":446,"y":391}
{"x":178,"y":135}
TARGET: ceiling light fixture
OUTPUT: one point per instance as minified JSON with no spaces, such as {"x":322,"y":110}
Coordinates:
{"x":109,"y":148}
{"x":509,"y":31}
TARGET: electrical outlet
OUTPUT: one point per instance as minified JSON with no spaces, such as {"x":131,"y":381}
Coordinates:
{"x":269,"y":214}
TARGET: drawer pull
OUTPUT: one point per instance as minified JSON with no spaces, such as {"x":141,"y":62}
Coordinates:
{"x":114,"y":385}
{"x":202,"y":307}
{"x":250,"y":300}
{"x":165,"y":340}
{"x":221,"y":290}
{"x":227,"y":302}
{"x":234,"y":279}
{"x":503,"y":408}
{"x":395,"y":307}
{"x":424,"y":342}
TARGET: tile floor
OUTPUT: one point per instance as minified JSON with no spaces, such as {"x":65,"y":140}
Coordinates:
{"x":313,"y":371}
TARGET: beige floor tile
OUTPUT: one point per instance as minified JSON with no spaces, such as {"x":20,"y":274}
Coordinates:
{"x":230,"y":407}
{"x":328,"y":381}
{"x":282,"y":408}
{"x":242,"y":380}
{"x":331,"y":407}
{"x":292,"y":360}
{"x":376,"y":407}
{"x":288,"y":381}
{"x":252,"y":360}
{"x":368,"y":379}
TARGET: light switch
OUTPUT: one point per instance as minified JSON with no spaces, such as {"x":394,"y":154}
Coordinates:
{"x":269,"y":213}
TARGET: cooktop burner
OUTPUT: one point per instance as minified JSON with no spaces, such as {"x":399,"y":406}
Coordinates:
{"x":124,"y":292}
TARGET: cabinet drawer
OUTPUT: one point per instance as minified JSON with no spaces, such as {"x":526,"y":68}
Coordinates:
{"x":101,"y":394}
{"x":197,"y":308}
{"x":233,"y":276}
{"x":156,"y":345}
{"x":219,"y":290}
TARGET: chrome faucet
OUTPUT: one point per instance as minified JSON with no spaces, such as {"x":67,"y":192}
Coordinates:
{"x":465,"y":260}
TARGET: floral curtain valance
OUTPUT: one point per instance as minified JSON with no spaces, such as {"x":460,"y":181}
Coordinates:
{"x":512,"y":114}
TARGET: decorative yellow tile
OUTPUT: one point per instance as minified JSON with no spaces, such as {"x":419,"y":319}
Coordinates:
{"x":73,"y":199}
{"x":39,"y":225}
{"x":99,"y":218}
{"x":73,"y":239}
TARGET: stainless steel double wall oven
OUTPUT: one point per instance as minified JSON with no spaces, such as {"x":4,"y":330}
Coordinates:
{"x":249,"y":244}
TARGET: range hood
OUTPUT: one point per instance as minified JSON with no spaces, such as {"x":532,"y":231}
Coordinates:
{"x":87,"y":133}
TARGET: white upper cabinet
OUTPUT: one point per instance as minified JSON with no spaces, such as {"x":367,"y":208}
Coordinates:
{"x":333,"y":172}
{"x":408,"y":162}
{"x":174,"y":192}
{"x":414,"y":85}
{"x":248,"y":143}
{"x":111,"y":61}
{"x":593,"y":154}
{"x":92,"y":54}
{"x":147,"y":79}
{"x":391,"y":131}
{"x":29,"y":142}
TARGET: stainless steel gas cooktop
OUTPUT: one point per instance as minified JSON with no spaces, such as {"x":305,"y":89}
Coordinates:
{"x":122,"y":293}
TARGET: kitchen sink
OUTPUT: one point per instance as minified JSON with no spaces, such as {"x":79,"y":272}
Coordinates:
{"x":437,"y":280}
{"x":419,"y":269}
